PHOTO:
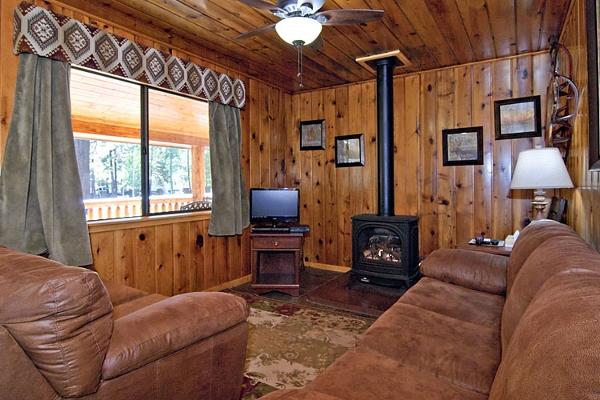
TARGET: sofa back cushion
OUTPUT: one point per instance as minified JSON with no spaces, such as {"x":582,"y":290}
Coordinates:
{"x":553,"y":256}
{"x":60,"y":316}
{"x":555,"y":351}
{"x":531,"y":237}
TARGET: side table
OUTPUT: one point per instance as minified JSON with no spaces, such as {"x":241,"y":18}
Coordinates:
{"x":276,"y":260}
{"x":500,"y":251}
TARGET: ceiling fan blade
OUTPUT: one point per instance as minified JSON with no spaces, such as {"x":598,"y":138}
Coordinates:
{"x":261,"y":4}
{"x":348,"y":17}
{"x":316,"y":5}
{"x":255,"y":32}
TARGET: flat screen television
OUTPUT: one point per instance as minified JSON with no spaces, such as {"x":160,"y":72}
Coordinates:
{"x":274,"y":205}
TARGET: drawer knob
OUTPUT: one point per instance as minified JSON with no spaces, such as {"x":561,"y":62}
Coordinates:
{"x":276,"y":244}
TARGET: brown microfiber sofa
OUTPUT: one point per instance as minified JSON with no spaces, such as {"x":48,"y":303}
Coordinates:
{"x":64,"y":334}
{"x":456,"y":335}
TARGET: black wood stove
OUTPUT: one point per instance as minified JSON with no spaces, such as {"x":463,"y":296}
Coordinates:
{"x":385,"y":247}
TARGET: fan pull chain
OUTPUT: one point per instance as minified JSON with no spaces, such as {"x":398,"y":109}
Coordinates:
{"x":300,"y":66}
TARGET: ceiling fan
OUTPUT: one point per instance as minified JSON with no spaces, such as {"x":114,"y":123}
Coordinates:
{"x":302,"y":21}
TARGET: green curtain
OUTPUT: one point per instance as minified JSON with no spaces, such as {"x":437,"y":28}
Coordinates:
{"x":230,"y":197}
{"x":41,"y":206}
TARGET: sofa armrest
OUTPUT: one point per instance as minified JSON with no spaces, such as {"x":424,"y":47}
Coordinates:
{"x":168,"y":326}
{"x":471,"y":269}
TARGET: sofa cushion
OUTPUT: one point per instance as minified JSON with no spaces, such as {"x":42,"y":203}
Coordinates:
{"x":366,"y":374}
{"x":555,"y":351}
{"x":457,"y":302}
{"x":531,"y":237}
{"x":460,"y":352}
{"x":554,"y":255}
{"x":60,"y":316}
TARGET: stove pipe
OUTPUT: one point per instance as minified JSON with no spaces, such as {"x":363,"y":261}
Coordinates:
{"x":385,"y":134}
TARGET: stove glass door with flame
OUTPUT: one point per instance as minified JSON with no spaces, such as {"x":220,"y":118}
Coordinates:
{"x":381,"y":246}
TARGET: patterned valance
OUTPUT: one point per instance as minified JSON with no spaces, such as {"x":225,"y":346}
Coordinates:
{"x":45,"y":33}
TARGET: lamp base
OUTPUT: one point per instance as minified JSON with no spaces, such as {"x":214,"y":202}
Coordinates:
{"x":539,"y":204}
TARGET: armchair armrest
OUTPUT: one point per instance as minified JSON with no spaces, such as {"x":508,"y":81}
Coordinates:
{"x":168,"y":326}
{"x":467,"y":268}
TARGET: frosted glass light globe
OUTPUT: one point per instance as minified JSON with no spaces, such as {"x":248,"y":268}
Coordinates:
{"x":297,"y":29}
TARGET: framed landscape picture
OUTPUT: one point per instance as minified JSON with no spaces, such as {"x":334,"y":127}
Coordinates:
{"x":350,"y":151}
{"x":312,"y":135}
{"x":518,"y":118}
{"x":592,"y":12}
{"x":463,"y":146}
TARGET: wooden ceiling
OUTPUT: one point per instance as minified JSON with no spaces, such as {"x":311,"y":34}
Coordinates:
{"x":431,"y":33}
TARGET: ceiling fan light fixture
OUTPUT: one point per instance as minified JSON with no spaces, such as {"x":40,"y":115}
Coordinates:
{"x":298,"y":29}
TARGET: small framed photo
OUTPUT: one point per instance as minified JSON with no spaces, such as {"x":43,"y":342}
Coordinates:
{"x":463,"y":146}
{"x":312,"y":135}
{"x":350,"y":151}
{"x":518,"y":118}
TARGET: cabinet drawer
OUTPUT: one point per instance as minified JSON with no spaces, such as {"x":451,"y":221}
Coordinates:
{"x":279,"y":242}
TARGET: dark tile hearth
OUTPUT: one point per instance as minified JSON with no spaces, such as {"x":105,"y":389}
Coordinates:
{"x":347,"y":293}
{"x":338,"y":291}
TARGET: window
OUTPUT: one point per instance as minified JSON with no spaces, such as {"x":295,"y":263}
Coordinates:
{"x":140,"y":151}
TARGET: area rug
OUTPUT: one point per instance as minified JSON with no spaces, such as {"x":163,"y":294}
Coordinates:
{"x":348,"y":294}
{"x":290,"y":344}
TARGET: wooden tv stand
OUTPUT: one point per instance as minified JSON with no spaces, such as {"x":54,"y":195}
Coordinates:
{"x":276,"y":260}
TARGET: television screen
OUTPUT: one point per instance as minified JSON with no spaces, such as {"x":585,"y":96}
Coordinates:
{"x":274,"y":205}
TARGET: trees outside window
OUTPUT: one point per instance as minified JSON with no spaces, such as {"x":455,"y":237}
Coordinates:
{"x":111,"y":146}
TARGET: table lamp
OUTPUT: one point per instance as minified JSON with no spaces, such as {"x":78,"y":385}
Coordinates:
{"x":540,"y":169}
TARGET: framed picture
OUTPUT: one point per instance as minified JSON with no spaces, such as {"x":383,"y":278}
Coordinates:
{"x":312,"y":135}
{"x":350,"y":151}
{"x":518,"y":118}
{"x":463,"y":146}
{"x":593,"y":28}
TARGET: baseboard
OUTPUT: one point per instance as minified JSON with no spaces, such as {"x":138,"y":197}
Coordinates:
{"x":230,"y":284}
{"x":328,"y":267}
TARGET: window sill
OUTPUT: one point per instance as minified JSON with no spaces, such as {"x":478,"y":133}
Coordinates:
{"x":140,"y":222}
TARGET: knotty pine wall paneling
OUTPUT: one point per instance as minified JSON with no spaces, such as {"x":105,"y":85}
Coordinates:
{"x":453,"y":203}
{"x":583,"y":212}
{"x":163,"y":255}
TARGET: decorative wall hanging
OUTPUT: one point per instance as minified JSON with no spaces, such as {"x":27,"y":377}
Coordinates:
{"x":47,"y":34}
{"x":562,"y":100}
{"x":350,"y":151}
{"x":592,"y":28}
{"x":518,"y":118}
{"x":463,"y":146}
{"x":312,"y":135}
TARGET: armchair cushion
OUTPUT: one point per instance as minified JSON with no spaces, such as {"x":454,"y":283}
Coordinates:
{"x":170,"y":325}
{"x":470,"y":269}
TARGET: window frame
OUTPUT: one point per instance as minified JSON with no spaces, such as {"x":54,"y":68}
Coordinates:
{"x":144,"y":142}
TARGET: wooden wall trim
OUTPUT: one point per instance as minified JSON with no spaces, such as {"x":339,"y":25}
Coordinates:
{"x":140,"y":222}
{"x":407,"y":74}
{"x":231,"y":284}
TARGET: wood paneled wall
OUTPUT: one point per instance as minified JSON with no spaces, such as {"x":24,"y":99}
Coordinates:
{"x":164,"y":255}
{"x":169,"y":257}
{"x":584,"y":200}
{"x":453,"y":203}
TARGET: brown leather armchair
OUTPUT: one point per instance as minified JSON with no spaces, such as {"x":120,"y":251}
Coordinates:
{"x":64,"y":335}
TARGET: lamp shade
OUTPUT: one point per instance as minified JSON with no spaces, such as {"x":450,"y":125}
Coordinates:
{"x":541,"y":169}
{"x":299,"y":29}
